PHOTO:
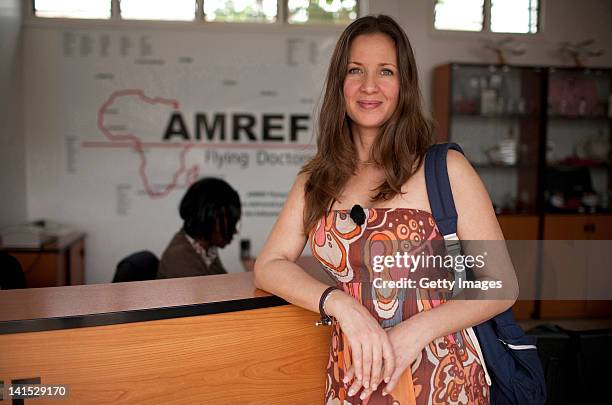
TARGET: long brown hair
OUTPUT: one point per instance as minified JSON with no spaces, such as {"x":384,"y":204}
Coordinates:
{"x":403,"y":140}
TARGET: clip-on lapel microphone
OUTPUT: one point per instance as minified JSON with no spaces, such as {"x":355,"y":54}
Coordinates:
{"x":357,"y":214}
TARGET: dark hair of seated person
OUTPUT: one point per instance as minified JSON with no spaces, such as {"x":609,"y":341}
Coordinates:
{"x":210,"y":204}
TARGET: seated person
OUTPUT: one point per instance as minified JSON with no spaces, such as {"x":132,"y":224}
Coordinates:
{"x":210,"y":211}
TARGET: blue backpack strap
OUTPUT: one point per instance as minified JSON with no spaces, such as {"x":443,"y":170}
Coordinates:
{"x":440,"y":194}
{"x":509,"y":354}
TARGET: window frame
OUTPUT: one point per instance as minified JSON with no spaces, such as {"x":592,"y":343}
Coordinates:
{"x":115,"y":21}
{"x":486,"y":30}
{"x":31,"y":7}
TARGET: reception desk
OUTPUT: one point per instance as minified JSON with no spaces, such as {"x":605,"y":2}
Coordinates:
{"x":206,"y":340}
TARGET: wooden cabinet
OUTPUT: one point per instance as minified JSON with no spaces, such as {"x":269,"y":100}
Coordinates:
{"x":523,"y":228}
{"x":55,"y":264}
{"x":494,"y":112}
{"x":578,"y":134}
{"x":519,"y":227}
{"x":574,"y":264}
{"x":540,"y":139}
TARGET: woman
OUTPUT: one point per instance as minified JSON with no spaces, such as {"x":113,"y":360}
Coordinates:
{"x":372,"y":138}
{"x":210,"y":211}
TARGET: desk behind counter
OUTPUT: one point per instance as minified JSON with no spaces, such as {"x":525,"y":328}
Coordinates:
{"x":214,"y":339}
{"x":57,"y":263}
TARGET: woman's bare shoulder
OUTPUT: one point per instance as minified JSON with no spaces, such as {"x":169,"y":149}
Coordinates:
{"x":477,"y":220}
{"x":296,"y":193}
{"x":301,"y":179}
{"x":465,"y":181}
{"x":458,"y":164}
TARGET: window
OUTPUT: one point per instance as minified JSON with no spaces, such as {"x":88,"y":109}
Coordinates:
{"x":459,"y":15}
{"x":322,"y":11}
{"x":72,"y":8}
{"x":240,"y":10}
{"x":177,"y":10}
{"x":254,"y":11}
{"x":507,"y":16}
{"x":517,"y":16}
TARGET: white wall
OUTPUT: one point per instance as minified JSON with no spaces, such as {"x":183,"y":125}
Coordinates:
{"x":12,"y":160}
{"x":86,"y":90}
{"x":51,"y":78}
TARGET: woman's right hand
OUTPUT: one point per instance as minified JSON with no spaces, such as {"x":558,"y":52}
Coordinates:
{"x":372,"y":355}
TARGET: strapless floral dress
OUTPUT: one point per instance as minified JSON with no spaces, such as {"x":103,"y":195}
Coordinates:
{"x":448,"y":370}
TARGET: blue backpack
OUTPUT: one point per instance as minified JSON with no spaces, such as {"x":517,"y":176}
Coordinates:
{"x":512,"y":365}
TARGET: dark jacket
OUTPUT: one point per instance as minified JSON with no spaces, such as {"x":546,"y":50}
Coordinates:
{"x":181,"y":260}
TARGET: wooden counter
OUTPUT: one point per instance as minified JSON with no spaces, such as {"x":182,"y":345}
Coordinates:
{"x":211,"y":340}
{"x":138,"y":298}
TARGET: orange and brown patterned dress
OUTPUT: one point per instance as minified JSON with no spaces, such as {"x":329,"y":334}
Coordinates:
{"x":448,"y":370}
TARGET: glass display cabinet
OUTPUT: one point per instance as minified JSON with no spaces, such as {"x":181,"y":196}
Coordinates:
{"x":540,"y":139}
{"x":494,"y":113}
{"x":577,"y":159}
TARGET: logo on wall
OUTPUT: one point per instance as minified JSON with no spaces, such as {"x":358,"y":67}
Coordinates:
{"x":130,"y":119}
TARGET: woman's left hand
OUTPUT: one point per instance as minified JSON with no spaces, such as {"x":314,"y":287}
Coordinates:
{"x":408,"y":340}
